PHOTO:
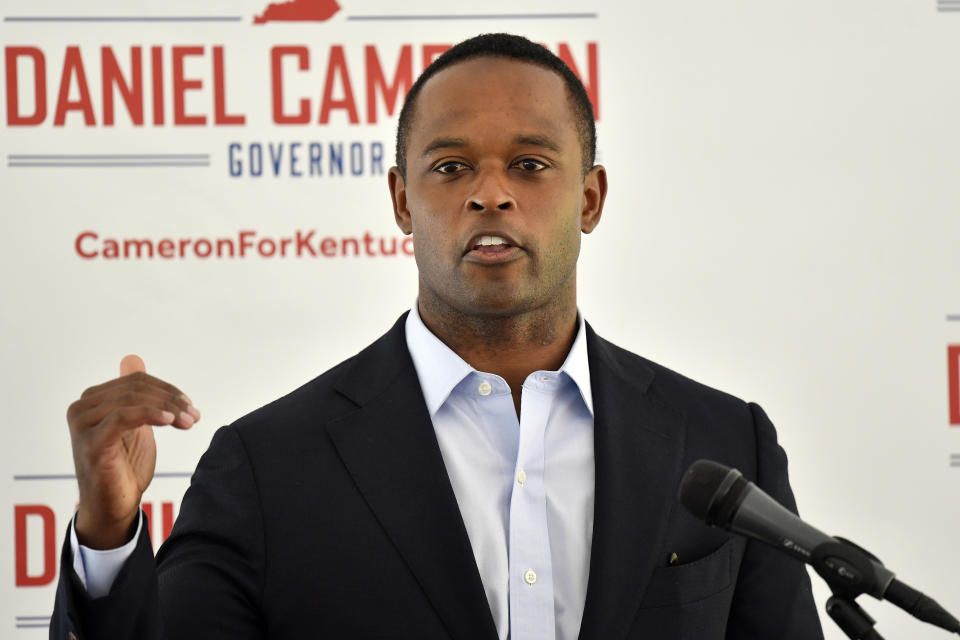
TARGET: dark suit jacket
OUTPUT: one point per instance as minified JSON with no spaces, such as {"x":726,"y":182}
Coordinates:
{"x":329,"y":514}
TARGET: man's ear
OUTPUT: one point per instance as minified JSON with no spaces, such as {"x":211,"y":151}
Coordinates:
{"x":398,"y":193}
{"x":594,"y":193}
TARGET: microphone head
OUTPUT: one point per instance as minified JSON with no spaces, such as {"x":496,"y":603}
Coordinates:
{"x":706,"y":491}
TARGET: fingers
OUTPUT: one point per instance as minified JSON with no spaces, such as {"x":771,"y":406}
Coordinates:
{"x":140,"y":378}
{"x":130,"y":401}
{"x":122,"y":419}
{"x":98,"y":408}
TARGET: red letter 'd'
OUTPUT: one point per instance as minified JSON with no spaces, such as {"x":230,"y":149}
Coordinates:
{"x":953,"y":367}
{"x":39,"y":86}
{"x":20,"y":514}
{"x":276,"y":72}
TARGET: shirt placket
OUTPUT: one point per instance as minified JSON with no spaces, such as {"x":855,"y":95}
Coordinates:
{"x":531,"y":574}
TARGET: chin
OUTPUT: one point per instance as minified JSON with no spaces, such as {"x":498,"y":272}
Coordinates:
{"x":497,"y":305}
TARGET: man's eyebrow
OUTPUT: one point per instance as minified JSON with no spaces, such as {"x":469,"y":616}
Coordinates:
{"x":537,"y":141}
{"x":522,"y":139}
{"x":444,"y":143}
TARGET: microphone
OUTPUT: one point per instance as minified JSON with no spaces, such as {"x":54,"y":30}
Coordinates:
{"x":722,"y":497}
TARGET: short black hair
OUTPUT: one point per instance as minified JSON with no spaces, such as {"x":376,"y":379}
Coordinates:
{"x":508,"y":46}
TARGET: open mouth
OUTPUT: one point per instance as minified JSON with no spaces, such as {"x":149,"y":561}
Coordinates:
{"x":491,"y":244}
{"x":491,"y":249}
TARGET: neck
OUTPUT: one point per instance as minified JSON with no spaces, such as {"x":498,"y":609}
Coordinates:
{"x":511,"y":346}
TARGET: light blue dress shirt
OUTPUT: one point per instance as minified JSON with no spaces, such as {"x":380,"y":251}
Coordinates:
{"x":525,"y":487}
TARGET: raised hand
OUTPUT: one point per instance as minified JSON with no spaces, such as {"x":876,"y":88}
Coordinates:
{"x":114,"y":450}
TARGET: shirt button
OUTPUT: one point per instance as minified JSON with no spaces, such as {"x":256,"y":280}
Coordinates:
{"x":522,"y":476}
{"x":485,"y":388}
{"x":529,"y":576}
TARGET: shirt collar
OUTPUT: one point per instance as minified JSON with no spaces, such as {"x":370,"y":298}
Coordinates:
{"x":577,"y":364}
{"x":439,"y":369}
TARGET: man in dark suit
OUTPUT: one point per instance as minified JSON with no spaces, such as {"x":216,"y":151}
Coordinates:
{"x":488,"y":468}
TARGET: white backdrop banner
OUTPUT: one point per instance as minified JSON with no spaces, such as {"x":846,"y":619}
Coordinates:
{"x":204,"y":184}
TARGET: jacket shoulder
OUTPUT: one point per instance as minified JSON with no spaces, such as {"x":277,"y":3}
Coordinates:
{"x":667,"y":384}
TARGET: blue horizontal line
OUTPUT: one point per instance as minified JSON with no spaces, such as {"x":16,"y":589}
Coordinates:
{"x":26,"y":618}
{"x":33,"y":625}
{"x":51,"y":476}
{"x":488,"y":16}
{"x":122,"y":18}
{"x":71,"y":476}
{"x":107,"y":156}
{"x":108,"y":164}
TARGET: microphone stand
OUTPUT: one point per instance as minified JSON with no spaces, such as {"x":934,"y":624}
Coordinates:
{"x":851,"y":618}
{"x":846,"y":567}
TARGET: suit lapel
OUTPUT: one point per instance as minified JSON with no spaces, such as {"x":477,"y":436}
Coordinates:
{"x":638,"y":440}
{"x":390,"y":449}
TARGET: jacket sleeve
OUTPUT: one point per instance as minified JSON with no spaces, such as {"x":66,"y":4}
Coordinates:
{"x":207,"y":580}
{"x":773,"y":597}
{"x":128,"y":611}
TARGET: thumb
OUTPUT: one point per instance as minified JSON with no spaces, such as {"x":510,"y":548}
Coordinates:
{"x":131,"y":364}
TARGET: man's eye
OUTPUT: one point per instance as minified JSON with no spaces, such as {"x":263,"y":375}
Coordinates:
{"x":531,"y":165}
{"x":449,"y":168}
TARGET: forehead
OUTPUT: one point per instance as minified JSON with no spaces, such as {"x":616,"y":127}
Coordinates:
{"x":484,"y":96}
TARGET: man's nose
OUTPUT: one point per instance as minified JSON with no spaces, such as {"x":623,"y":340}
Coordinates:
{"x":491,"y":191}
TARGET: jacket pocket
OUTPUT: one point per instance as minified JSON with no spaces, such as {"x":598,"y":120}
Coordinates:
{"x":694,"y":581}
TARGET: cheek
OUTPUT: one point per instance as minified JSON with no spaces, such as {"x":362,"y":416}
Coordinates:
{"x":564,"y":220}
{"x":432,"y":246}
{"x":565,"y":236}
{"x":428,"y":213}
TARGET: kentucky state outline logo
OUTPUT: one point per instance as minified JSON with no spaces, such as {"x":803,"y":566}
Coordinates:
{"x":298,"y":11}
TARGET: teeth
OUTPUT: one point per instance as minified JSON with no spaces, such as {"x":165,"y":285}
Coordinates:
{"x":487,"y":241}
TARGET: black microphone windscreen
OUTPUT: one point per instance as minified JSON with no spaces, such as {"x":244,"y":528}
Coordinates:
{"x":700,"y":484}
